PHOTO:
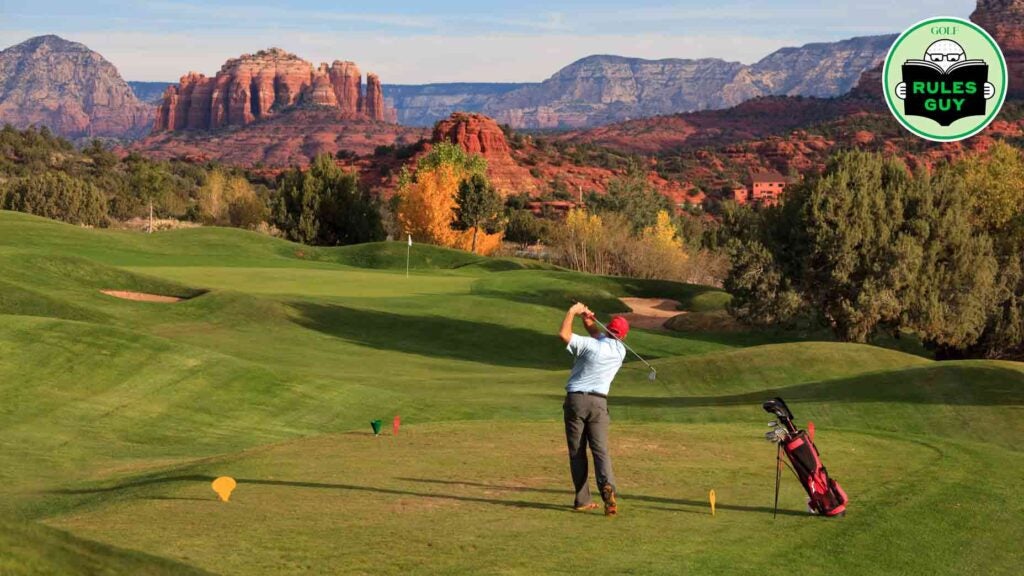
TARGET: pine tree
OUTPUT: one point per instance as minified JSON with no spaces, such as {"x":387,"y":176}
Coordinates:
{"x":477,"y":205}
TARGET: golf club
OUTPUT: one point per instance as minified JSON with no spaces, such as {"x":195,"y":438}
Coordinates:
{"x":653,"y":374}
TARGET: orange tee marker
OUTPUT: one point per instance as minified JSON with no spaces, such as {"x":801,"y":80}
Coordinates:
{"x":711,"y":497}
{"x":223,"y":486}
{"x":810,"y":430}
{"x":396,"y":424}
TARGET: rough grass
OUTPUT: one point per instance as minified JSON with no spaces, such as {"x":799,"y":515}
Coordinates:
{"x":116,"y":415}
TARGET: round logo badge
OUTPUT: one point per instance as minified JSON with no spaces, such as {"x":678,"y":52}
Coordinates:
{"x":945,"y":79}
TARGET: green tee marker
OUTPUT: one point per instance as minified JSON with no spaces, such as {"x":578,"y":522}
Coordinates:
{"x":376,"y":424}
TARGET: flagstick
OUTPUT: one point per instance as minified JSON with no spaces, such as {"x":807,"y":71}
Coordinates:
{"x":408,"y":253}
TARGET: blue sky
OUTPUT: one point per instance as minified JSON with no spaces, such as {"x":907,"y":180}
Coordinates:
{"x":449,"y":40}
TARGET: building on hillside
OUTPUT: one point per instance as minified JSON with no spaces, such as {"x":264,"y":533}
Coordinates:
{"x":558,"y":208}
{"x":765,"y":189}
{"x":740,"y":193}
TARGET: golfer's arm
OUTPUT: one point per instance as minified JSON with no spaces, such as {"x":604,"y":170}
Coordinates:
{"x":591,"y":327}
{"x":566,"y":332}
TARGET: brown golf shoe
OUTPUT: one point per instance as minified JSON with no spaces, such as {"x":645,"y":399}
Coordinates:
{"x":611,"y":506}
{"x":586,"y":507}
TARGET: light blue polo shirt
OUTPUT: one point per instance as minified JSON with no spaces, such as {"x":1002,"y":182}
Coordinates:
{"x":597,"y":362}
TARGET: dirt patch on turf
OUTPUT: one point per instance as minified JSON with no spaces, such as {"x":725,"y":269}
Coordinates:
{"x":650,"y":313}
{"x":142,"y":296}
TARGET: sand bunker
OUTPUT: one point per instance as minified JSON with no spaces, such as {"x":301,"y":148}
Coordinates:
{"x":650,"y":313}
{"x":141,"y":296}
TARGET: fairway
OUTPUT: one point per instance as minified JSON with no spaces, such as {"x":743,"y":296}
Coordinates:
{"x":117,"y":414}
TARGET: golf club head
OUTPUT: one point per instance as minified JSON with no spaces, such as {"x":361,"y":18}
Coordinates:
{"x":773,"y":423}
{"x":777,"y":407}
{"x":776,"y":435}
{"x":652,"y":376}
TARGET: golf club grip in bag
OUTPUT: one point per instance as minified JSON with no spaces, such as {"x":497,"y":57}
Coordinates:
{"x":826,"y":496}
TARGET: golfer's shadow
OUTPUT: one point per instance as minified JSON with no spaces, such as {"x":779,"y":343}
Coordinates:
{"x":701,"y":505}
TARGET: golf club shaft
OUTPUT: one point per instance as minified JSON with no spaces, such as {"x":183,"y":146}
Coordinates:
{"x":605,"y":328}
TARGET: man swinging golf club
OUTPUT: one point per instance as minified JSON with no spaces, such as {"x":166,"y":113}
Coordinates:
{"x":598,"y":359}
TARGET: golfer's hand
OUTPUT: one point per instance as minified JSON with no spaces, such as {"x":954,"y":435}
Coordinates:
{"x":901,"y":90}
{"x":580,"y":309}
{"x":990,"y":90}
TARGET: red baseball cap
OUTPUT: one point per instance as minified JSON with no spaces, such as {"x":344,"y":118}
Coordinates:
{"x":618,"y":327}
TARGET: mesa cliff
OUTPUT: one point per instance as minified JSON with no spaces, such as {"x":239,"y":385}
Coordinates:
{"x":70,"y":89}
{"x":262,"y":85}
{"x":1004,"y":20}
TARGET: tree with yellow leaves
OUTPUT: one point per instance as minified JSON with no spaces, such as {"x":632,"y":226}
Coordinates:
{"x":663,"y":234}
{"x":227,"y":199}
{"x":427,"y":206}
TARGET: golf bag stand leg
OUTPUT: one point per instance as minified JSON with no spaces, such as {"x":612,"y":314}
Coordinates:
{"x":778,"y":479}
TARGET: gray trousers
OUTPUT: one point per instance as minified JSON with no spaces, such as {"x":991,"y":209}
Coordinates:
{"x":586,"y":422}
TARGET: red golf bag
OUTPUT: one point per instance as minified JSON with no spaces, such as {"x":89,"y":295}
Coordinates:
{"x":825,"y":496}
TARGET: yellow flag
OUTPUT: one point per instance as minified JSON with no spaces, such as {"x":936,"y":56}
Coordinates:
{"x":711,"y":497}
{"x":223,"y":486}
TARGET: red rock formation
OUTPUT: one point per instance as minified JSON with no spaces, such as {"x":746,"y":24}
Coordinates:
{"x":479,"y":134}
{"x":1004,"y":20}
{"x":183,"y":102}
{"x":323,"y":93}
{"x":263,"y":93}
{"x":167,"y":108}
{"x":219,"y":102}
{"x":347,"y":82}
{"x":258,"y":86}
{"x":475,"y":133}
{"x":199,"y":109}
{"x":239,"y":105}
{"x":374,"y":104}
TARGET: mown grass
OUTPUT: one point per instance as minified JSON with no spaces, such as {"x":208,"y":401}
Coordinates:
{"x":115,"y":416}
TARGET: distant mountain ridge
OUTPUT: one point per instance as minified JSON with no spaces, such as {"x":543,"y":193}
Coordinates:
{"x":425,"y":104}
{"x":604,"y":89}
{"x":49,"y":81}
{"x":151,"y":92}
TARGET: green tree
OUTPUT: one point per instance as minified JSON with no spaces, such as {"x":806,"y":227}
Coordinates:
{"x":634,"y":197}
{"x":761,"y":295}
{"x":448,"y":154}
{"x":56,"y":195}
{"x":523,"y":227}
{"x":148,"y":181}
{"x":103,"y":160}
{"x":946,"y":265}
{"x":994,"y":182}
{"x":869,"y":246}
{"x":324,"y":205}
{"x":477,"y":205}
{"x":852,"y":218}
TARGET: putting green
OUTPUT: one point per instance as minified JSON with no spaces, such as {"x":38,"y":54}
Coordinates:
{"x":116,"y":415}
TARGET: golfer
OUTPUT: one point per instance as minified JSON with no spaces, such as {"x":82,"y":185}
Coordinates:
{"x":598,"y":359}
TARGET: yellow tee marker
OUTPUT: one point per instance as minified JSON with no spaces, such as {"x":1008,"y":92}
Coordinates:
{"x":223,"y":486}
{"x":711,"y":497}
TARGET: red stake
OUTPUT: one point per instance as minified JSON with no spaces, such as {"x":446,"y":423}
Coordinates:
{"x":395,"y":424}
{"x":810,"y":430}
